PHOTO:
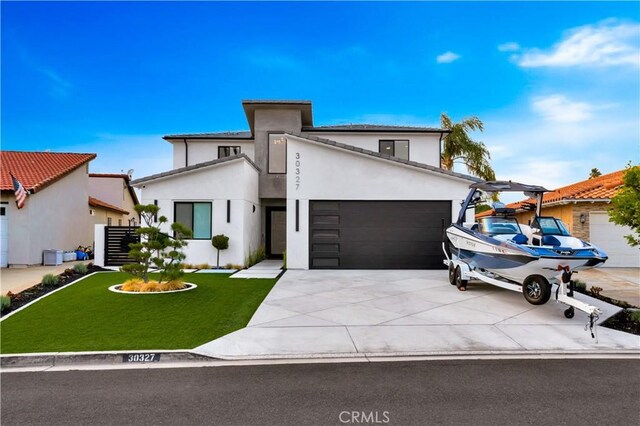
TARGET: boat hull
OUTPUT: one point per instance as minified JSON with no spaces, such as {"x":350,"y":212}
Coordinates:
{"x":516,"y":262}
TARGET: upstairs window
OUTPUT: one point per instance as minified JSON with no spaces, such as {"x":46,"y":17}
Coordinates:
{"x":195,"y":216}
{"x":277,"y":154}
{"x":398,"y":149}
{"x":226,"y":151}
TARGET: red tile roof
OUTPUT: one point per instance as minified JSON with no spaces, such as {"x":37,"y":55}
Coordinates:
{"x":94,"y":202}
{"x":36,"y":170}
{"x":600,"y":188}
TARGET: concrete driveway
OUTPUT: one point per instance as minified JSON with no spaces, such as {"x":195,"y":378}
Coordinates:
{"x":381,"y":313}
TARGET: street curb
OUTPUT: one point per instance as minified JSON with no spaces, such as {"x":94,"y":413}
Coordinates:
{"x":57,"y":359}
{"x":186,"y":357}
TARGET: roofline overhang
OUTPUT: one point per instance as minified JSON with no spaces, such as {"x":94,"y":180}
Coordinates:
{"x":205,"y":136}
{"x":194,"y":167}
{"x":321,"y":130}
{"x":250,"y":106}
{"x":377,"y":155}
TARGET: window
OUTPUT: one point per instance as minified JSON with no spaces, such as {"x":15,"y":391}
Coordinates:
{"x":226,"y":151}
{"x":398,"y":149}
{"x":119,"y":222}
{"x":195,"y":216}
{"x":108,"y":221}
{"x":277,"y":154}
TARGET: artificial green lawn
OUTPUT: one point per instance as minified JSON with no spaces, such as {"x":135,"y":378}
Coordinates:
{"x":86,"y":316}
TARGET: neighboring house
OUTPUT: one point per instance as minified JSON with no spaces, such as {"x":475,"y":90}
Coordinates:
{"x":65,"y":204}
{"x":112,"y":199}
{"x":348,"y":196}
{"x":55,"y":215}
{"x":583,"y":207}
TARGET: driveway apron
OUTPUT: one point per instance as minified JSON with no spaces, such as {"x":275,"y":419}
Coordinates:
{"x":406,"y":312}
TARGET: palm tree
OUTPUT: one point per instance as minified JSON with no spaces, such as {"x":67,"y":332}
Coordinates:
{"x":595,"y":172}
{"x":460,"y":148}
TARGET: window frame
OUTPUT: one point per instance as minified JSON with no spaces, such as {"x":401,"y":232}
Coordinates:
{"x":286,"y":142}
{"x":229,"y":147}
{"x":175,"y":203}
{"x":395,"y":141}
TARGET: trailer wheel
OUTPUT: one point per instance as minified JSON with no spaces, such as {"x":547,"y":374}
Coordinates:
{"x":460,"y":283}
{"x":452,"y":274}
{"x":536,"y":289}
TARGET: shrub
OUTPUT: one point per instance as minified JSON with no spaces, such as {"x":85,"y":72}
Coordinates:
{"x":238,"y":267}
{"x":595,"y":291}
{"x":132,"y":285}
{"x":173,"y":285}
{"x":149,"y":287}
{"x":5,"y":302}
{"x":80,"y":268}
{"x":220,"y":242}
{"x":228,"y":266}
{"x":202,"y":266}
{"x":635,"y":315}
{"x":580,"y":286}
{"x":50,"y":280}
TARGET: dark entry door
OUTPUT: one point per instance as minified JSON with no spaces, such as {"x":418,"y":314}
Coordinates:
{"x":276,"y":238}
{"x":377,"y":234}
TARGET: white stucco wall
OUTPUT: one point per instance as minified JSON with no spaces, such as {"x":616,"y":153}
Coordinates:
{"x":328,"y":173}
{"x":236,"y":181}
{"x":202,"y":150}
{"x":423,"y":148}
{"x":56,"y":217}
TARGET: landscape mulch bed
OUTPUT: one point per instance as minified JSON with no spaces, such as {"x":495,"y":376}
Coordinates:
{"x":68,"y":276}
{"x":623,"y":320}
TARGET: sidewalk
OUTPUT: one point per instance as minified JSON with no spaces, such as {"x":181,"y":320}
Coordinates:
{"x":266,"y":269}
{"x":616,"y":283}
{"x":16,"y":280}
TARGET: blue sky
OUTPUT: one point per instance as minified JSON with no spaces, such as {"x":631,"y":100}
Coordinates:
{"x":556,"y":84}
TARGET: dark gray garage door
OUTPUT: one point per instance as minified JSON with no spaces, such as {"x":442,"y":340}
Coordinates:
{"x":377,"y":234}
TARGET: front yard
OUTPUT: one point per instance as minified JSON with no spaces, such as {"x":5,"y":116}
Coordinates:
{"x":88,"y":317}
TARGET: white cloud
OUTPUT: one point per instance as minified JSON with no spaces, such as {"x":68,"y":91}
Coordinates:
{"x":560,"y":109}
{"x":606,"y":43}
{"x":509,"y":47}
{"x":447,"y":57}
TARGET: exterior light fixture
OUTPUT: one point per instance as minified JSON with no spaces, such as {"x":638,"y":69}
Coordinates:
{"x":583,"y":218}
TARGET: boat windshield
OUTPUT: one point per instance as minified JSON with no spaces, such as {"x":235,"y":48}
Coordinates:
{"x":499,"y":225}
{"x":550,"y":226}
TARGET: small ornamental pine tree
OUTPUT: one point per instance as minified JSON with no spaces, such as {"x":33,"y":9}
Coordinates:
{"x":220,"y":242}
{"x":156,"y":250}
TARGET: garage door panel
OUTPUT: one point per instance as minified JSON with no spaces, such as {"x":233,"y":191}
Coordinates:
{"x":610,"y":238}
{"x":377,"y":234}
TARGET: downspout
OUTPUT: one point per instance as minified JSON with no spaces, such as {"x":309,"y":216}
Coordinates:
{"x":440,"y":149}
{"x":186,"y":152}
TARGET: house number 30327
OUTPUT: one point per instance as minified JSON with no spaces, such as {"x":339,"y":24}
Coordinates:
{"x":297,"y":176}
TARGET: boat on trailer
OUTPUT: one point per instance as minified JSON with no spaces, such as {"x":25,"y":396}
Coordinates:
{"x":531,"y":258}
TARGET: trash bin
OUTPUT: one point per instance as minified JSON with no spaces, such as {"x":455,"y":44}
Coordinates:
{"x":69,"y":256}
{"x":52,"y":257}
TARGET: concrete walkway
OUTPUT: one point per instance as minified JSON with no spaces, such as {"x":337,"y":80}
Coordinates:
{"x":16,"y":280}
{"x":616,"y":283}
{"x":382,"y":313}
{"x":270,"y":268}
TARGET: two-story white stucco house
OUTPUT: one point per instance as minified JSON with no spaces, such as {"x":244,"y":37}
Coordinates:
{"x":349,"y":196}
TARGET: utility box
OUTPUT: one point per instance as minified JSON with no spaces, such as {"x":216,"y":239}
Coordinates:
{"x":52,"y":257}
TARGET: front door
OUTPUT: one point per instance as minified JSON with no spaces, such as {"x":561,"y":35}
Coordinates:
{"x":276,"y":235}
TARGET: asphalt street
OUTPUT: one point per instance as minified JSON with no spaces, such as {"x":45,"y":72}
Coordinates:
{"x":508,"y":392}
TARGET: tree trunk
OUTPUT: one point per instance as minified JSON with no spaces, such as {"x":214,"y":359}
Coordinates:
{"x":218,"y":261}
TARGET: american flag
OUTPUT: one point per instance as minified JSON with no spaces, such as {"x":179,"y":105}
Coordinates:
{"x":20,"y":192}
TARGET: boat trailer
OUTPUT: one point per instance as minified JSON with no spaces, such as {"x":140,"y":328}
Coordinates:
{"x":563,"y":294}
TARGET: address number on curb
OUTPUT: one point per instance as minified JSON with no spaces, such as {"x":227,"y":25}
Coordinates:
{"x":140,"y":357}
